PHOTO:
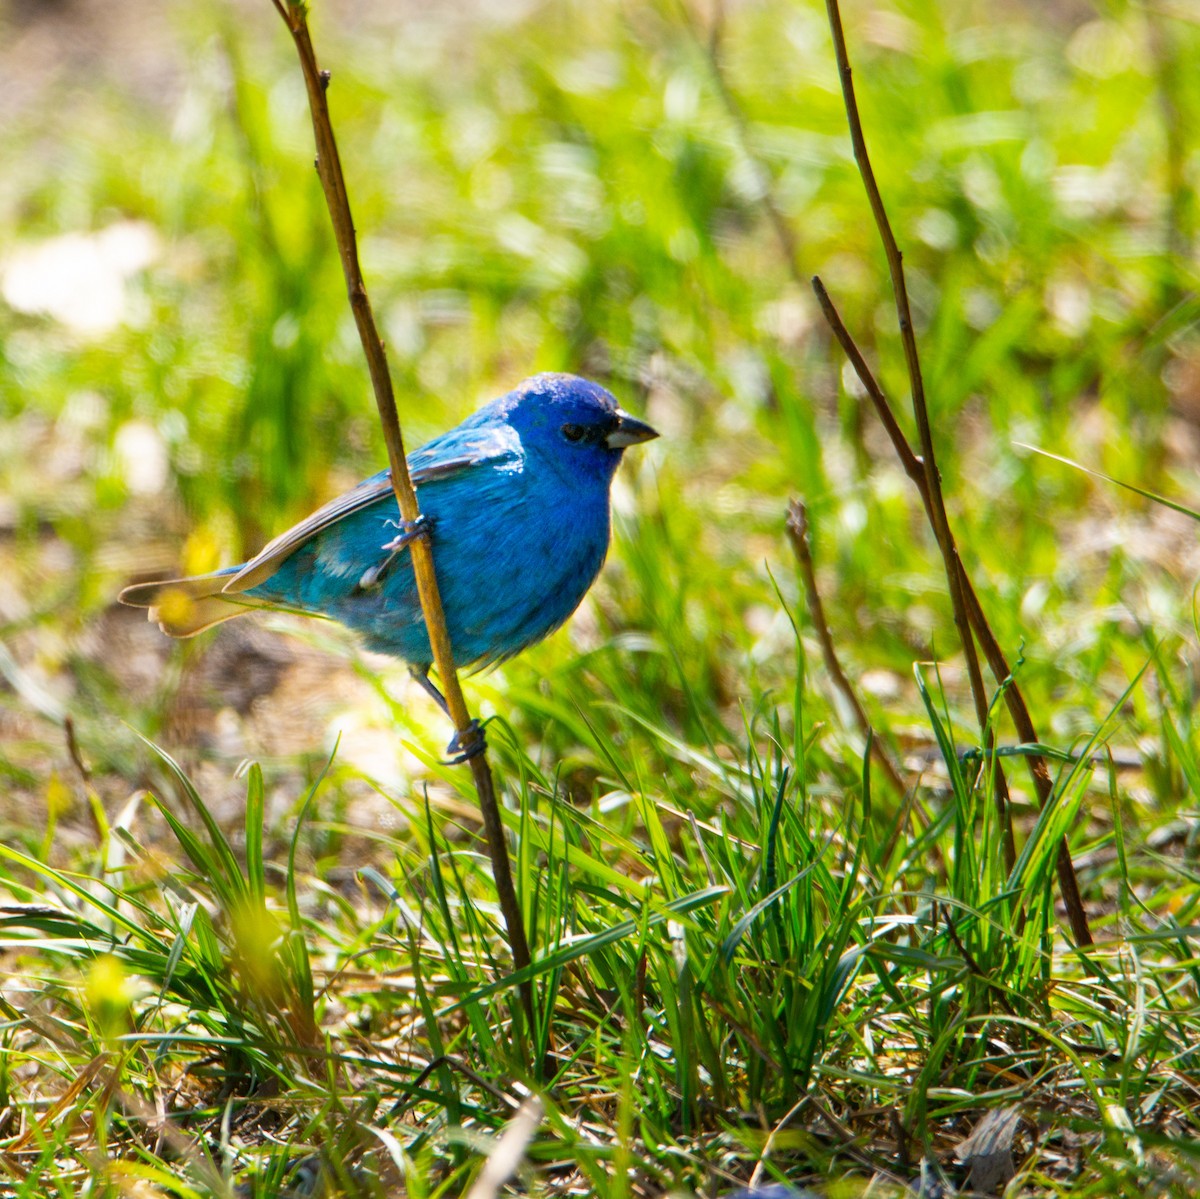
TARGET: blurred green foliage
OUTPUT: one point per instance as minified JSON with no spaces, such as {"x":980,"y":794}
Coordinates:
{"x":561,"y":187}
{"x":569,"y":185}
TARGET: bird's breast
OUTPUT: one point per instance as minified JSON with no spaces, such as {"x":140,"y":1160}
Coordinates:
{"x":515,"y":561}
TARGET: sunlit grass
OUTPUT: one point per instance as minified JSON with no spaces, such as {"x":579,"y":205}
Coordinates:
{"x":269,"y":954}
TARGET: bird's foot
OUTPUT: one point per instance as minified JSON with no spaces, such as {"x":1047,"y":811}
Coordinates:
{"x":410,"y":530}
{"x":430,"y":688}
{"x":466,"y":744}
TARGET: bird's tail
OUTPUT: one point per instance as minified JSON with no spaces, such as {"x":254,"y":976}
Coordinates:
{"x":185,"y":607}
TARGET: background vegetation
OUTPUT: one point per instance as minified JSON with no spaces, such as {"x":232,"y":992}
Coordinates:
{"x":276,"y":952}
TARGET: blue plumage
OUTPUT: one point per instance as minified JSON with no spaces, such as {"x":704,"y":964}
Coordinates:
{"x":517,"y":500}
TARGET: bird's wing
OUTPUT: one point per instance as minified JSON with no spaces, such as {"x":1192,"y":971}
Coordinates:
{"x":442,"y":458}
{"x":268,"y":560}
{"x":496,"y":444}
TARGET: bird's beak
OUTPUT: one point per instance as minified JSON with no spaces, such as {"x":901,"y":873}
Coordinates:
{"x":628,"y":431}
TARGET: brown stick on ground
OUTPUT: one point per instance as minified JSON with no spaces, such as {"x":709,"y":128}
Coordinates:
{"x":470,"y":735}
{"x":797,"y":529}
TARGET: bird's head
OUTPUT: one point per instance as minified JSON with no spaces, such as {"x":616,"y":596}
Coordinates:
{"x":577,"y":424}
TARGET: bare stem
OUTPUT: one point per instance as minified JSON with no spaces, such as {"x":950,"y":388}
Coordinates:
{"x":914,"y":466}
{"x":797,"y":528}
{"x":997,"y":662}
{"x":329,"y":169}
{"x":933,"y":480}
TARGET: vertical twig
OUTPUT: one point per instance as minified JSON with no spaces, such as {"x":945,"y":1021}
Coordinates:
{"x":917,"y":468}
{"x":797,"y":529}
{"x":997,"y":662}
{"x":329,"y":169}
{"x":933,"y":480}
{"x":780,"y":226}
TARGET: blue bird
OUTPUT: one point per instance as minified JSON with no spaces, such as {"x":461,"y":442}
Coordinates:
{"x":516,"y":503}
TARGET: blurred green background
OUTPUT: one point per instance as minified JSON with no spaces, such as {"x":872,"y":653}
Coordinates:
{"x":580,"y":186}
{"x":561,"y":186}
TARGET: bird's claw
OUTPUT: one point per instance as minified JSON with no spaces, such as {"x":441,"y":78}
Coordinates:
{"x":410,"y":530}
{"x":466,"y":744}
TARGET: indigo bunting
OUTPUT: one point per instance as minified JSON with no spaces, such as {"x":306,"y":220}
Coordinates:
{"x":515,"y":500}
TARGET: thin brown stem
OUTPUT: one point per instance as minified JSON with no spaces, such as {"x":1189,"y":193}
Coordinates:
{"x":997,"y":662}
{"x":968,"y":957}
{"x":937,"y":505}
{"x":914,"y":466}
{"x":797,"y":529}
{"x":915,"y":469}
{"x":470,"y":736}
{"x":1068,"y":882}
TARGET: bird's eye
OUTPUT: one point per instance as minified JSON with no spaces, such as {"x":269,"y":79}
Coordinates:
{"x":573,"y":432}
